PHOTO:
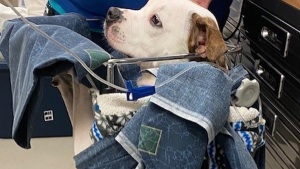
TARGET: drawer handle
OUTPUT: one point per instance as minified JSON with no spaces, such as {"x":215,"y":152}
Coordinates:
{"x":272,"y":32}
{"x":268,"y":73}
{"x":272,"y":124}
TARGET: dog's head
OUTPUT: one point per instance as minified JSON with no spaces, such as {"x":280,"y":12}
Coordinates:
{"x":165,"y":27}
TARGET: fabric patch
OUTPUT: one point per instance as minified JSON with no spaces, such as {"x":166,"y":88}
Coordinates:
{"x":97,"y":57}
{"x":149,"y":139}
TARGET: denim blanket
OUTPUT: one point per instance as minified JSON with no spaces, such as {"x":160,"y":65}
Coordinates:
{"x":188,"y":111}
{"x":30,"y":56}
{"x":185,"y":120}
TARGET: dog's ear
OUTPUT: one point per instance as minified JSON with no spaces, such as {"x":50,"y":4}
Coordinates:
{"x":206,"y":40}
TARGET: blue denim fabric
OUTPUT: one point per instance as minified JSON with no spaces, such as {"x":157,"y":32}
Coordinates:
{"x":128,"y":137}
{"x":194,"y":91}
{"x":237,"y":74}
{"x":181,"y":144}
{"x":189,"y":109}
{"x":31,"y":56}
{"x":107,"y":154}
{"x":235,"y":151}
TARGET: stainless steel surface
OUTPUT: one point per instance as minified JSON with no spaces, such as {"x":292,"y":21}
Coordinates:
{"x":231,"y":49}
{"x":110,"y":73}
{"x":150,"y":59}
{"x":233,"y":53}
{"x":113,"y":62}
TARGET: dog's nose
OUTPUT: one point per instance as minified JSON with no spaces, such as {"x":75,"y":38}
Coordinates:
{"x":113,"y":14}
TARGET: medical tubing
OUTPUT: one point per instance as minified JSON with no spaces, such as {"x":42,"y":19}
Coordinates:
{"x":65,"y":48}
{"x":88,"y":77}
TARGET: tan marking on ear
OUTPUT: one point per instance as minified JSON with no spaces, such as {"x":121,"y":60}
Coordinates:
{"x":204,"y":32}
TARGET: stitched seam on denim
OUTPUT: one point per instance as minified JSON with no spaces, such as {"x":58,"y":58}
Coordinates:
{"x":181,"y":73}
{"x":140,"y":166}
{"x":129,"y":147}
{"x":185,"y":114}
{"x":225,"y":131}
{"x":175,"y":76}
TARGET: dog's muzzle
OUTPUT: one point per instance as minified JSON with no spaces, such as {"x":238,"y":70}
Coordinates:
{"x":113,"y":15}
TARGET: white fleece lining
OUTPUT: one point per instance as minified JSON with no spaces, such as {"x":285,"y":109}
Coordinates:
{"x":116,"y":103}
{"x":243,"y":114}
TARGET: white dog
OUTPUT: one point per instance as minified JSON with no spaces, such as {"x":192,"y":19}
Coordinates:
{"x":165,"y":27}
{"x":162,"y":27}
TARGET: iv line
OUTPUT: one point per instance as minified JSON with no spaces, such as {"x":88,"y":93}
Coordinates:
{"x":65,"y":48}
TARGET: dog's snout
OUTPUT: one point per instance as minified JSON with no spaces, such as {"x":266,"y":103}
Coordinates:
{"x":113,"y":14}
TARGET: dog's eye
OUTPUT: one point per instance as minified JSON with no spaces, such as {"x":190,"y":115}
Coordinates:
{"x":155,"y":20}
